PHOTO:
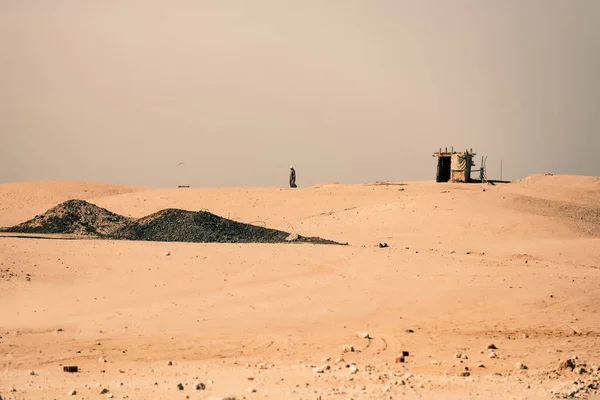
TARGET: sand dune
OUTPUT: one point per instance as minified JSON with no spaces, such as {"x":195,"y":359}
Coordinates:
{"x":516,"y":265}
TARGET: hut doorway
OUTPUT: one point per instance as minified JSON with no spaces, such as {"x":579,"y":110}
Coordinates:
{"x":444,"y":169}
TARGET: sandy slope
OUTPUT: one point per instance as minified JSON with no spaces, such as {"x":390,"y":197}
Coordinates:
{"x":515,"y":265}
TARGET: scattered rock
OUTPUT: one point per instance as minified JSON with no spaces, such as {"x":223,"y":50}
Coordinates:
{"x":339,"y":360}
{"x":166,"y":254}
{"x":567,"y":364}
{"x":353,"y":369}
{"x":464,"y":357}
{"x":180,"y":386}
{"x":170,"y":363}
{"x":251,"y":390}
{"x":383,"y":245}
{"x":520,"y":365}
{"x":72,"y":392}
{"x":465,"y":373}
{"x":363,"y":335}
{"x":200,"y":386}
{"x":104,"y":391}
{"x":458,"y":355}
{"x":409,"y":331}
{"x":492,"y":355}
{"x":492,"y":347}
{"x":347,"y":348}
{"x":32,"y":373}
{"x":480,"y":366}
{"x":110,"y":395}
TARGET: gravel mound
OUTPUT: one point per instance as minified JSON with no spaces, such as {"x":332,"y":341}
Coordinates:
{"x":175,"y":225}
{"x":73,"y":217}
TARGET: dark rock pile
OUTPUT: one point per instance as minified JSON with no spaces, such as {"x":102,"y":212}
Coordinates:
{"x":174,"y":225}
{"x":73,"y":217}
{"x":171,"y":225}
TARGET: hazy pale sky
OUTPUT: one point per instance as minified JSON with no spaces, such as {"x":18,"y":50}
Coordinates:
{"x":349,"y":91}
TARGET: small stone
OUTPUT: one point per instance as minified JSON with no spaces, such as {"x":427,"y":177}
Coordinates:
{"x":32,"y":373}
{"x":464,"y":357}
{"x":492,"y":355}
{"x":347,"y":348}
{"x":73,"y":392}
{"x":166,"y":254}
{"x":363,"y":335}
{"x":200,"y":386}
{"x":458,"y":355}
{"x":353,"y":369}
{"x":180,"y":386}
{"x":104,"y":391}
{"x":102,"y":360}
{"x":251,"y":390}
{"x":13,"y":389}
{"x":465,"y":373}
{"x":492,"y":347}
{"x":110,"y":395}
{"x":170,"y":363}
{"x":326,"y":359}
{"x":339,"y":360}
{"x":480,"y":366}
{"x":59,"y":330}
{"x":520,"y":366}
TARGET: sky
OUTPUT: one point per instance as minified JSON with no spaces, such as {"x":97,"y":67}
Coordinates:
{"x":231,"y":93}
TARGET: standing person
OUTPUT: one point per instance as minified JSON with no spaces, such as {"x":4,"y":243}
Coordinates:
{"x":292,"y":177}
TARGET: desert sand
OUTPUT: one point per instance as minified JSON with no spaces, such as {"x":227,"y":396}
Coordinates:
{"x":515,"y":265}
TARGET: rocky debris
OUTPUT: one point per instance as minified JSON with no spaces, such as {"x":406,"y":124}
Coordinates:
{"x":577,"y":389}
{"x":520,"y":365}
{"x":180,"y":386}
{"x":166,"y":254}
{"x":32,"y":373}
{"x":251,"y":390}
{"x":175,"y":225}
{"x":104,"y":391}
{"x":492,"y":355}
{"x":363,"y":335}
{"x":347,"y":348}
{"x":200,"y":386}
{"x":569,"y":364}
{"x":110,"y":395}
{"x":353,"y":369}
{"x":492,"y":347}
{"x":170,"y":363}
{"x":73,"y":217}
{"x":383,"y":245}
{"x":72,"y":392}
